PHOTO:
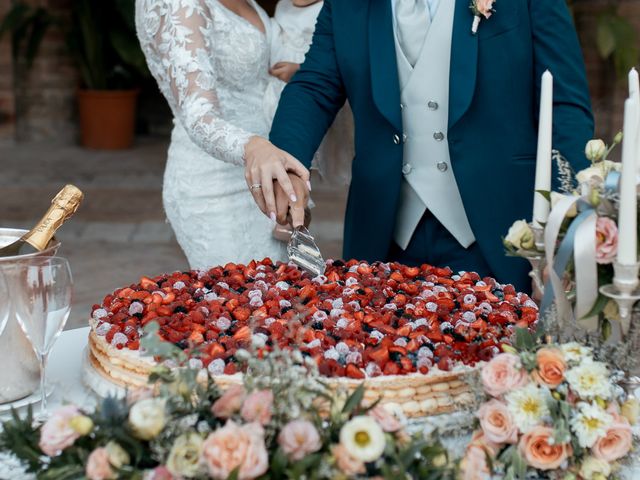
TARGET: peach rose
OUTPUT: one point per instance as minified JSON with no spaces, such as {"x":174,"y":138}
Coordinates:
{"x":298,"y":438}
{"x":503,"y":373}
{"x":385,"y":419}
{"x":616,"y":443}
{"x":98,"y":466}
{"x":497,"y":422}
{"x":229,"y":403}
{"x":606,"y":240}
{"x":551,"y":367}
{"x":234,"y":446}
{"x":57,"y":433}
{"x":474,"y":463}
{"x":485,"y":7}
{"x":346,"y":463}
{"x":257,"y":407}
{"x":537,"y":448}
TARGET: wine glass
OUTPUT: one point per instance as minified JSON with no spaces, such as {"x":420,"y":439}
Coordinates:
{"x":5,"y":303}
{"x":41,"y":290}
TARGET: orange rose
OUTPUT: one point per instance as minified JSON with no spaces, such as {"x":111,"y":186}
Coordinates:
{"x":551,"y":367}
{"x":616,"y":443}
{"x":539,"y":451}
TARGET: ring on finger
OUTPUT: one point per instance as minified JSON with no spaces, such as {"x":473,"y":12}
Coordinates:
{"x":255,"y":186}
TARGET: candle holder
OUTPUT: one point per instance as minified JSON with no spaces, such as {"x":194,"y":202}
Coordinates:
{"x":536,"y":257}
{"x":624,"y":291}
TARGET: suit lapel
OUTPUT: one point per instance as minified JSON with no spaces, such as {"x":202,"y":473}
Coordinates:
{"x":464,"y":63}
{"x":384,"y":68}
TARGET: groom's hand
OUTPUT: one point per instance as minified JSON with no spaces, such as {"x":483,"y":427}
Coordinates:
{"x":265,"y":166}
{"x":286,"y":207}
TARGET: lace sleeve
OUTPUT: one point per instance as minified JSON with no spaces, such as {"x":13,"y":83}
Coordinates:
{"x":176,"y":39}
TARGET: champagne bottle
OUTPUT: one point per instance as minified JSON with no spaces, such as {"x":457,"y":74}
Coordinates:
{"x":63,"y":206}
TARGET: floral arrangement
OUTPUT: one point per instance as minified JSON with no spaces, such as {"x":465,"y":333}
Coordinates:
{"x":591,"y":191}
{"x":553,"y":413}
{"x":282,"y":423}
{"x":480,"y":9}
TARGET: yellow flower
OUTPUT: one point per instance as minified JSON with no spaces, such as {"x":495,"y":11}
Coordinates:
{"x":631,"y":410}
{"x":117,"y":455}
{"x":81,"y":424}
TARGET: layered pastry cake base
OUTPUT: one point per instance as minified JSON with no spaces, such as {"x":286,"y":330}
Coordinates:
{"x":416,"y":395}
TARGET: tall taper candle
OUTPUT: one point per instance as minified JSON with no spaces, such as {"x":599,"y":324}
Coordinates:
{"x":627,"y":216}
{"x":543,"y":163}
{"x":634,"y":85}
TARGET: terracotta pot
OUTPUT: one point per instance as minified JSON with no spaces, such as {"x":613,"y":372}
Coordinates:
{"x":107,"y":118}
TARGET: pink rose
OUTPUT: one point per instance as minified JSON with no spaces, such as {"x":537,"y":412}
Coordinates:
{"x":229,"y":403}
{"x":502,"y":374}
{"x":485,"y":7}
{"x":98,"y":466}
{"x":346,"y":463}
{"x":474,"y":463}
{"x":298,"y":438}
{"x":56,"y":433}
{"x":257,"y":407}
{"x":617,"y":441}
{"x":606,"y":240}
{"x":159,"y":473}
{"x":234,"y":446}
{"x":539,"y":450}
{"x":497,"y":423}
{"x":386,"y":420}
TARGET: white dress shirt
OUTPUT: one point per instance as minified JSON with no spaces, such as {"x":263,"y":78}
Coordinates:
{"x":432,"y":6}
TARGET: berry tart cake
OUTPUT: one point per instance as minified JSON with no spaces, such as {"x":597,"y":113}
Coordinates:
{"x":413,"y":334}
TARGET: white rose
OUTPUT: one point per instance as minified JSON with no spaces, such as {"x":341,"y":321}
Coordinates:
{"x":117,"y":455}
{"x":520,"y":236}
{"x":147,"y":418}
{"x":595,"y":150}
{"x":593,"y":468}
{"x":363,"y":438}
{"x":184,"y":457}
{"x":556,"y":197}
{"x":597,"y":172}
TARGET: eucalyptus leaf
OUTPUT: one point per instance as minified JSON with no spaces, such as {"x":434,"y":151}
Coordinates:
{"x":354,"y":400}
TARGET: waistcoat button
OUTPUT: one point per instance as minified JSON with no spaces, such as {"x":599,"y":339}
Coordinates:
{"x":432,"y":105}
{"x":439,"y":136}
{"x":406,"y":169}
{"x":442,"y":166}
{"x":396,"y":139}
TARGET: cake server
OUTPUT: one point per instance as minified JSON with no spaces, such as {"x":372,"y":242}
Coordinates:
{"x":304,"y":252}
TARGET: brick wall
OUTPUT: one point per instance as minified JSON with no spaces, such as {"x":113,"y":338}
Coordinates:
{"x":45,"y":95}
{"x":7,"y":104}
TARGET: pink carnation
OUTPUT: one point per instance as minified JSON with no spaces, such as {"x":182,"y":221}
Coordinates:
{"x":299,"y":438}
{"x":606,"y":240}
{"x":230,"y":402}
{"x":56,"y":434}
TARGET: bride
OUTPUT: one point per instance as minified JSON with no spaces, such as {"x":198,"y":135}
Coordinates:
{"x":211,"y":61}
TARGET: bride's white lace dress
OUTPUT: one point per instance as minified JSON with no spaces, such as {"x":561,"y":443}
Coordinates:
{"x":212,"y":66}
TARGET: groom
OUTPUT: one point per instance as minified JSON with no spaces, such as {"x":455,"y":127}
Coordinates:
{"x":445,"y":122}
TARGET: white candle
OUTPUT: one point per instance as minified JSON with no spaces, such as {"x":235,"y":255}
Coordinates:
{"x":627,"y":216}
{"x":543,"y":162}
{"x":634,"y":85}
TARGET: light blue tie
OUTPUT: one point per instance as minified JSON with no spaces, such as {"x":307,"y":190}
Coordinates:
{"x":413,"y":21}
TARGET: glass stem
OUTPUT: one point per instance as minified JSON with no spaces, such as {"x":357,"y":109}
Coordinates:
{"x":43,"y":384}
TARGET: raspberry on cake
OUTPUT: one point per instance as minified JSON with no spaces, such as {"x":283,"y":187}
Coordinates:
{"x":412,"y":333}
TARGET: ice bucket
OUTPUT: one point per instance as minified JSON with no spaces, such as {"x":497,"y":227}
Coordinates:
{"x":20,"y":371}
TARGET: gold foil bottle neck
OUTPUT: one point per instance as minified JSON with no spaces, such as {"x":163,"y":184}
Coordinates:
{"x":68,"y":199}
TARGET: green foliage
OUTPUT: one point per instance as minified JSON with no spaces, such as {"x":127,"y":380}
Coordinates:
{"x":616,"y":38}
{"x":100,"y":36}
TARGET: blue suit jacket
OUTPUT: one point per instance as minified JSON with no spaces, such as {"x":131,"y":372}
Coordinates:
{"x":494,"y":91}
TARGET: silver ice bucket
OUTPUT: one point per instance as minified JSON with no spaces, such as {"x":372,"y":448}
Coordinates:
{"x":20,"y":371}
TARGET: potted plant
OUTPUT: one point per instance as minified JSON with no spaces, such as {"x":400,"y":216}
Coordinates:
{"x":101,"y":38}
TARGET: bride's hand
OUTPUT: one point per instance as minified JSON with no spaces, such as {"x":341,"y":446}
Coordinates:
{"x":284,"y":70}
{"x":265,"y":163}
{"x":284,"y":206}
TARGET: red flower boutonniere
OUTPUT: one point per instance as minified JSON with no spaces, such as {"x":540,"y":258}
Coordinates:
{"x":480,"y":8}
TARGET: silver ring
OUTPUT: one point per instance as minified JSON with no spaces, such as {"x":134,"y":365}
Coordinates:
{"x":255,"y":186}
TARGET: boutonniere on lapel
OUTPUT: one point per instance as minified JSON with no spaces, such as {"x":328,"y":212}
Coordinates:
{"x":480,"y":8}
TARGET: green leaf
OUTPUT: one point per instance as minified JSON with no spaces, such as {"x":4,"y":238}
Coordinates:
{"x":234,"y":474}
{"x":524,"y":339}
{"x":354,"y":400}
{"x":605,"y":38}
{"x":598,"y":306}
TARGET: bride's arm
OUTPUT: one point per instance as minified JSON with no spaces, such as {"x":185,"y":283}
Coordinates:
{"x":176,"y":38}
